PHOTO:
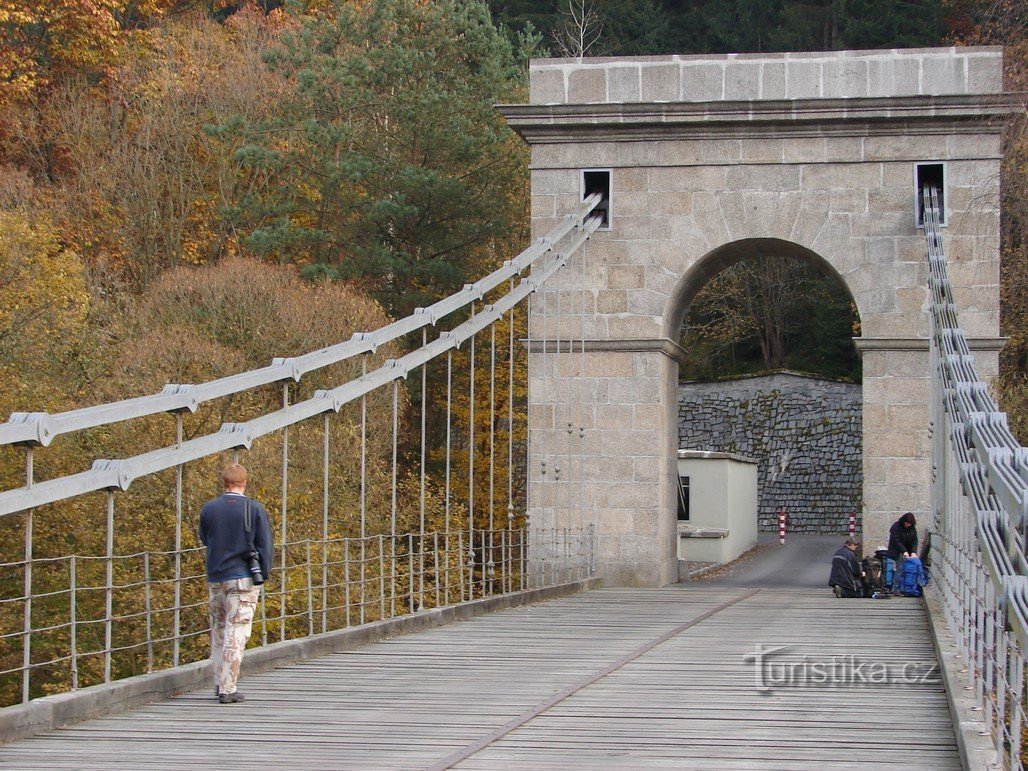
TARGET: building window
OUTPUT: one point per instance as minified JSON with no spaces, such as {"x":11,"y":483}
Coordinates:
{"x":683,"y":499}
{"x":930,"y":175}
{"x":598,"y":181}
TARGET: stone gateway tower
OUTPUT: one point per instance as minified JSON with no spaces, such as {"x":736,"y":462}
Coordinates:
{"x":708,"y":160}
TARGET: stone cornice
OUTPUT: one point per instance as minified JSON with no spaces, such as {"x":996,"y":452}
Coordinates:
{"x":921,"y":344}
{"x":663,"y":345}
{"x":644,"y":121}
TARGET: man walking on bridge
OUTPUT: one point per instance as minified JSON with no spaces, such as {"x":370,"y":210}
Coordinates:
{"x":230,"y":526}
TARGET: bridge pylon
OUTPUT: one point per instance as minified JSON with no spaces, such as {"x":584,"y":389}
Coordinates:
{"x":708,"y":160}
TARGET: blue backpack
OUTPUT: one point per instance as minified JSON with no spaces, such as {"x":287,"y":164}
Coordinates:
{"x":913,"y":577}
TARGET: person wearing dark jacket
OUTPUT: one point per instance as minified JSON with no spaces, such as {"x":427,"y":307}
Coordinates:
{"x":845,"y":576}
{"x":233,"y":595}
{"x":902,"y":543}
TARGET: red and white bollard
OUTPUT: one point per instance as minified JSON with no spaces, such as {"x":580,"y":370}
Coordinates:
{"x":853,"y":524}
{"x":781,"y":526}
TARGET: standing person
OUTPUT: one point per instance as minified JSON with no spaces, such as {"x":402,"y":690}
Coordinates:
{"x":846,"y":574}
{"x":902,"y":543}
{"x":233,"y":596}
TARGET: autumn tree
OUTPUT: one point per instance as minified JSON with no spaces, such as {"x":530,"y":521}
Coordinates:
{"x":1002,"y":22}
{"x":43,"y":304}
{"x":144,"y":188}
{"x":770,"y":312}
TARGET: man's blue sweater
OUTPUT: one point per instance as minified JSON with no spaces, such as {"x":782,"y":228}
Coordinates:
{"x":223,"y":533}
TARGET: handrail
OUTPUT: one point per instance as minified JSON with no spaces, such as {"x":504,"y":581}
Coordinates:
{"x":984,"y":578}
{"x":119,"y":474}
{"x":40,"y":428}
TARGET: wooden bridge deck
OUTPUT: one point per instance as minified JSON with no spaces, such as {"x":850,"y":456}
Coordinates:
{"x":615,"y":678}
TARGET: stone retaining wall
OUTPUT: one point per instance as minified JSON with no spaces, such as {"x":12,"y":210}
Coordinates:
{"x":805,"y":432}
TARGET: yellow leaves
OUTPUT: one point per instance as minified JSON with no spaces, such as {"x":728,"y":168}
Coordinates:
{"x":42,"y":41}
{"x":43,"y":297}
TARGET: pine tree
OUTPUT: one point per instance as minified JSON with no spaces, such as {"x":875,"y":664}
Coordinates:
{"x":394,"y":169}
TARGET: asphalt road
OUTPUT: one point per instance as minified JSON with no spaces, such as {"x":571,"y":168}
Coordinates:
{"x":803,"y":563}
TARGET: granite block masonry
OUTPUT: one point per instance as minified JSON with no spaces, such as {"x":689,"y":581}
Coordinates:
{"x":805,"y":434}
{"x":717,"y":159}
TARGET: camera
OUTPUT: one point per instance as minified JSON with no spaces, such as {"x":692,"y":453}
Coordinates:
{"x":255,"y":568}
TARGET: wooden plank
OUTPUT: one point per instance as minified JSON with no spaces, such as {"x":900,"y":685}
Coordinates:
{"x":689,"y":702}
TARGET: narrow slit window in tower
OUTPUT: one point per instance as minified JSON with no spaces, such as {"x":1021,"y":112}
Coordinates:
{"x":598,"y":181}
{"x":930,"y":175}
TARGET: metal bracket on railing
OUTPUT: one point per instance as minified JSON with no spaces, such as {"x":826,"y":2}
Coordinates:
{"x":452,"y":338}
{"x":475,"y":290}
{"x":366,"y":337}
{"x":289,"y":365}
{"x":398,"y":365}
{"x":432,"y":318}
{"x":244,"y":437}
{"x":329,"y":396}
{"x":38,"y":425}
{"x":187,"y":390}
{"x":119,"y":469}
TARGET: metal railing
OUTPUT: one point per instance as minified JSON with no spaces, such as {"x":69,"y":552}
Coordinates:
{"x":364,"y":553}
{"x":134,"y":621}
{"x":980,"y":511}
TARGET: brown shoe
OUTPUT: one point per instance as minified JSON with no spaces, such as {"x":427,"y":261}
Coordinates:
{"x":230,"y":698}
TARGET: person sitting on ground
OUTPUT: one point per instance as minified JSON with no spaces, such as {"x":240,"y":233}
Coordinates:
{"x":902,"y":544}
{"x":845,"y":576}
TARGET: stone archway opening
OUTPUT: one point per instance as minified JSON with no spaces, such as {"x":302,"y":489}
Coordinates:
{"x":770,"y":374}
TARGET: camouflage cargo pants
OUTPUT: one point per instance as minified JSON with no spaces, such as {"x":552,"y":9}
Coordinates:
{"x":232,"y":606}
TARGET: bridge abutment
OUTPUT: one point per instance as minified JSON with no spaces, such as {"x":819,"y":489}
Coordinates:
{"x":718,"y":159}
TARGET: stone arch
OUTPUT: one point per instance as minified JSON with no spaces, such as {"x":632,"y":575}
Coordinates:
{"x":716,"y":260}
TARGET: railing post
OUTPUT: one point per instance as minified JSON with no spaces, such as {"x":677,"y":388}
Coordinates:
{"x":485,"y":577}
{"x":410,"y":570}
{"x":324,"y":527}
{"x":146,"y":600}
{"x":264,"y":617}
{"x":73,"y":629}
{"x":26,"y":644}
{"x":1017,"y":714}
{"x":504,"y":588}
{"x":310,"y":590}
{"x":363,"y":489}
{"x":442,"y":570}
{"x":177,"y":585}
{"x":460,"y":562}
{"x":523,"y":557}
{"x":346,"y":577}
{"x":26,"y":638}
{"x":381,"y":578}
{"x":285,"y":521}
{"x":435,"y":562}
{"x":109,"y":589}
{"x":421,"y":491}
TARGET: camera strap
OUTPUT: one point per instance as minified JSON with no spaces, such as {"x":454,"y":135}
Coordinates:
{"x":248,"y":526}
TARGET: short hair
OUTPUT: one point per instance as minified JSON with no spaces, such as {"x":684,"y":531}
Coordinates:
{"x":909,"y":519}
{"x":232,"y":474}
{"x":852,"y":542}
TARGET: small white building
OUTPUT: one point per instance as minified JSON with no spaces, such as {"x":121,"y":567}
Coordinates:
{"x":717,"y":505}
